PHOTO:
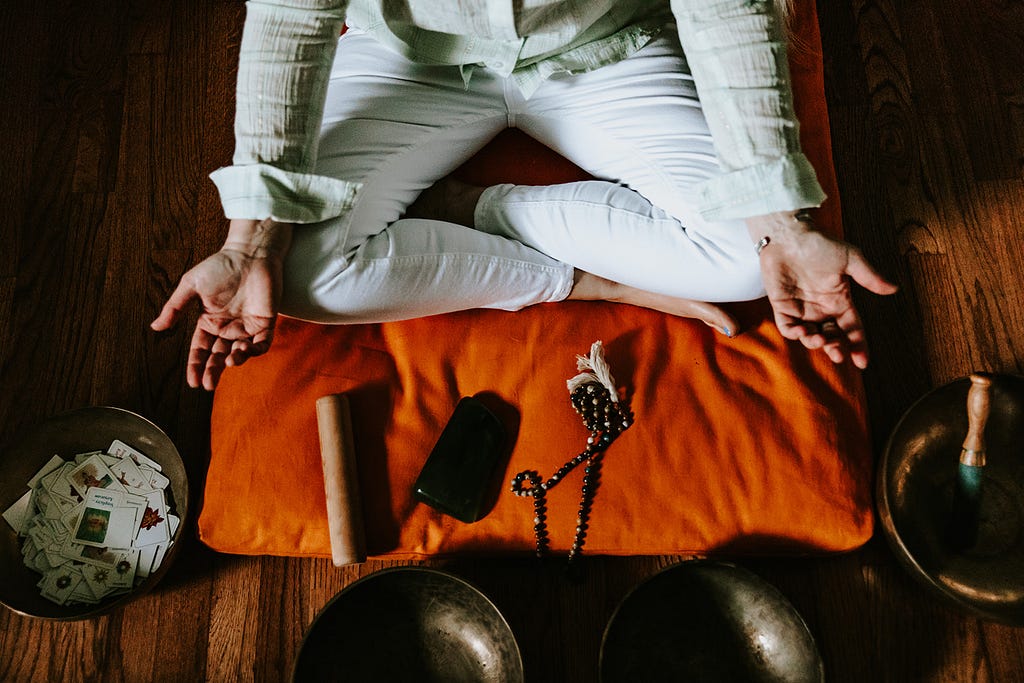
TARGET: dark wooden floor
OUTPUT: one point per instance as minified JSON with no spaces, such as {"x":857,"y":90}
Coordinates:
{"x":113,"y":112}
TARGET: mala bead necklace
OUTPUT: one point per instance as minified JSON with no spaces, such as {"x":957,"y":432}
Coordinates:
{"x":596,"y":401}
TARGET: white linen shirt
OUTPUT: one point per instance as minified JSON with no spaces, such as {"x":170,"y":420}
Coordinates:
{"x":736,"y":51}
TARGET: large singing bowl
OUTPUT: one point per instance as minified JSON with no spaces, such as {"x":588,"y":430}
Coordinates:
{"x":67,"y":434}
{"x":916,"y":479}
{"x":708,"y":621}
{"x":409,"y":624}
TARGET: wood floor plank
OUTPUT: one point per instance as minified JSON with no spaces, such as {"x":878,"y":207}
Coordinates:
{"x":16,"y":635}
{"x":978,"y":77}
{"x":120,"y":365}
{"x":20,"y":81}
{"x":217,"y":123}
{"x":235,"y":613}
{"x":60,"y":250}
{"x":150,"y":26}
{"x":6,"y":336}
{"x":177,"y":136}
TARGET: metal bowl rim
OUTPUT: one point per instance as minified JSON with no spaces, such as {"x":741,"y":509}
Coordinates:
{"x":892,"y":535}
{"x":719,"y":565}
{"x":407,"y":569}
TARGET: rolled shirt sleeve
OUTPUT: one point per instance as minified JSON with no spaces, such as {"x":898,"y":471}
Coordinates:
{"x":736,"y":50}
{"x":284,"y":65}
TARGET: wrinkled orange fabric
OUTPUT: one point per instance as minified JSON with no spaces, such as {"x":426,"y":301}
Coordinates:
{"x":740,"y":446}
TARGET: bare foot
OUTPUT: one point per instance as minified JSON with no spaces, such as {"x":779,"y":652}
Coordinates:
{"x":448,"y":200}
{"x":590,"y":287}
{"x":454,"y":201}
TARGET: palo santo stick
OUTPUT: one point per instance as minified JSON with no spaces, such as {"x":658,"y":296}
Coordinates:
{"x":341,"y":480}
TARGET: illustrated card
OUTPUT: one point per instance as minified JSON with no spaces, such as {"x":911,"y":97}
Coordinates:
{"x":19,"y":514}
{"x":94,"y":522}
{"x":29,"y":551}
{"x":93,"y":473}
{"x":82,"y":457}
{"x":158,"y":558}
{"x":70,"y":518}
{"x":156,"y":479}
{"x":101,"y":557}
{"x":55,"y":462}
{"x":54,"y":558}
{"x":145,"y":564}
{"x":42,"y":565}
{"x":129,"y":475}
{"x":153,"y":527}
{"x":42,"y":500}
{"x":83,"y":593}
{"x":39,"y":533}
{"x":46,"y":481}
{"x":99,"y":580}
{"x":59,"y":584}
{"x":124,"y":571}
{"x":172,"y":523}
{"x":52,"y":508}
{"x":105,"y":521}
{"x":123,"y":450}
{"x":161,"y":550}
{"x":58,"y":507}
{"x":58,"y":483}
{"x":137,"y":503}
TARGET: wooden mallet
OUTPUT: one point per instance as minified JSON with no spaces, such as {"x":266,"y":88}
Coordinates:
{"x":341,"y":480}
{"x":966,"y":512}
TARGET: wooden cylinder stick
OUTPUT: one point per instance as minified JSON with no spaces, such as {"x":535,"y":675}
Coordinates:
{"x":341,"y":481}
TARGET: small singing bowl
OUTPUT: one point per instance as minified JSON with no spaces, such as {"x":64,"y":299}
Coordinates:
{"x":705,"y":620}
{"x":915,"y":487}
{"x":409,"y":624}
{"x":66,"y":435}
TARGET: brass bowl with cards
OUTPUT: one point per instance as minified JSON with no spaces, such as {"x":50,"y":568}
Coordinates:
{"x":102,"y":487}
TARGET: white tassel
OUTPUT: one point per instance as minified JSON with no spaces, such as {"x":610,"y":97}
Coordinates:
{"x":595,"y":370}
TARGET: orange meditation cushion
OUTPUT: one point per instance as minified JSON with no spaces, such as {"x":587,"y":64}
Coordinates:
{"x":740,"y":446}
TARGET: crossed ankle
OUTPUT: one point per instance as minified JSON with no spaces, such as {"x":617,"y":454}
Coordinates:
{"x":450,"y":200}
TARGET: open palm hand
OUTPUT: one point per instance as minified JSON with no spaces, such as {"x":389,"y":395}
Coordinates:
{"x":807,"y":276}
{"x":239,"y":294}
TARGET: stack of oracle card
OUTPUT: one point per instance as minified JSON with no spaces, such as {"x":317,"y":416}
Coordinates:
{"x":95,"y":526}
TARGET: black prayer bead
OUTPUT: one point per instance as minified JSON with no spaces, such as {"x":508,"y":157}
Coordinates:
{"x":604,"y":419}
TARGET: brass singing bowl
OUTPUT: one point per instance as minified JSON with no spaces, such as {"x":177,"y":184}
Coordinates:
{"x":916,"y":479}
{"x":711,"y":621}
{"x":409,"y":624}
{"x":66,"y":435}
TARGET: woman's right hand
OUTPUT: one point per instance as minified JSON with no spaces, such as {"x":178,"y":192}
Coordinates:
{"x":239,"y":288}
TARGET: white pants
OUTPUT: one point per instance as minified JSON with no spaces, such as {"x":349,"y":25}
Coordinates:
{"x":398,"y":127}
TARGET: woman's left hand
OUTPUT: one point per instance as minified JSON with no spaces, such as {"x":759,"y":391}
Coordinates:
{"x":807,"y":278}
